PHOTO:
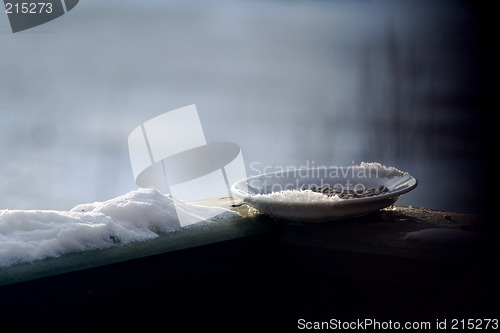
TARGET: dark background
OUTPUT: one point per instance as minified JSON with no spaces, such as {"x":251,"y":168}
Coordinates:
{"x":403,"y":83}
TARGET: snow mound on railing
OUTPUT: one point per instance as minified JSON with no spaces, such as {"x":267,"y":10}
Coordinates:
{"x":30,"y":235}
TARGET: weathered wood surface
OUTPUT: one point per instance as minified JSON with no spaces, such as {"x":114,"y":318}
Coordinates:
{"x":386,"y":232}
{"x":382,"y":232}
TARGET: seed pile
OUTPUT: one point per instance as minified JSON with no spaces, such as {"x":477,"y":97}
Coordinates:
{"x":347,"y":193}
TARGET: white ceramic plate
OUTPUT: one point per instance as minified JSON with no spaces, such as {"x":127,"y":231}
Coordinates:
{"x":277,"y":194}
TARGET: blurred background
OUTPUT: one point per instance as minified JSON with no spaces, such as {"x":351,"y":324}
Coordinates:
{"x":338,"y":82}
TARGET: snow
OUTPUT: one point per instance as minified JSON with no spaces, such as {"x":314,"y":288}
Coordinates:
{"x":385,"y":170}
{"x":29,"y":235}
{"x":295,"y":196}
